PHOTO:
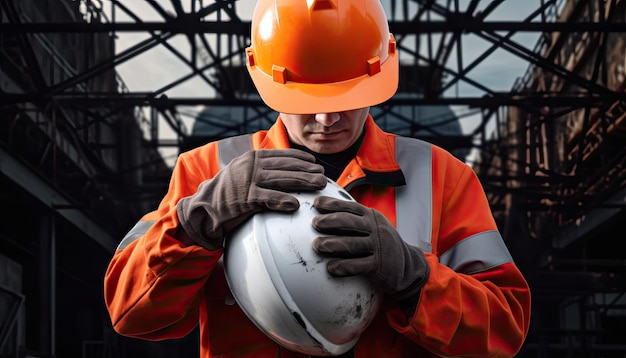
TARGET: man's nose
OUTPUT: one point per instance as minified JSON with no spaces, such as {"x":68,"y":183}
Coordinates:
{"x":327,"y":119}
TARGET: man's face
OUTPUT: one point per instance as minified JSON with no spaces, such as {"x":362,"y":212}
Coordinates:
{"x":326,"y":133}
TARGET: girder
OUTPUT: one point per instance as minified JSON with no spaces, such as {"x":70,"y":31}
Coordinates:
{"x":550,"y":139}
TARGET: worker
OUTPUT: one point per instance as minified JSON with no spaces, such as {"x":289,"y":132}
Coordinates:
{"x":420,"y":229}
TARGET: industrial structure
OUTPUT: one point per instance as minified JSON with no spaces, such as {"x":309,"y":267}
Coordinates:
{"x":83,"y":156}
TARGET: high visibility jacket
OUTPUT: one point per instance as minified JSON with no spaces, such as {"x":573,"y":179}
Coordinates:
{"x":475,"y":302}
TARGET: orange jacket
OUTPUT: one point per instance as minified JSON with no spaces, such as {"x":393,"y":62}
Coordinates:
{"x":157,"y":288}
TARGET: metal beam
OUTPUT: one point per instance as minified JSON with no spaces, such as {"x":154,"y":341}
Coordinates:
{"x":594,"y":218}
{"x":547,"y":284}
{"x":49,"y":196}
{"x":184,"y":26}
{"x":145,"y":99}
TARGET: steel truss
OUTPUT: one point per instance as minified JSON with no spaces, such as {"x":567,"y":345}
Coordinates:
{"x":60,"y":118}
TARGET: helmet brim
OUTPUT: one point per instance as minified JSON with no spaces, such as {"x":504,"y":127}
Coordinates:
{"x":310,"y":98}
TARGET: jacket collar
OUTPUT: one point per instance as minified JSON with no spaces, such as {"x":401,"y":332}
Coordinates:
{"x":375,"y":158}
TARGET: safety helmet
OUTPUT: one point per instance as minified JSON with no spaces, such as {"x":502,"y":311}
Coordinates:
{"x":283,"y":286}
{"x":322,"y":56}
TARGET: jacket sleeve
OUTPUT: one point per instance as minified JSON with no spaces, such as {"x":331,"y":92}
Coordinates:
{"x":476,"y":301}
{"x":154,"y":282}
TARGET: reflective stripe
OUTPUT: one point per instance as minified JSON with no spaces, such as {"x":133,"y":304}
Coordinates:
{"x":477,"y":253}
{"x":136,"y":232}
{"x":232,"y":147}
{"x":228,"y":149}
{"x":414,"y":214}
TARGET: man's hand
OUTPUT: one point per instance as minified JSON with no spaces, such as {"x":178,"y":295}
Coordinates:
{"x":364,"y":243}
{"x":253,"y":182}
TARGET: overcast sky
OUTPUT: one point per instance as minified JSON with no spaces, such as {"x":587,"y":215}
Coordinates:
{"x":159,"y":67}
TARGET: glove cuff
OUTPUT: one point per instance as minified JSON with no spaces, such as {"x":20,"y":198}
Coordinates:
{"x":192,"y":222}
{"x":414,"y":289}
{"x":408,"y":297}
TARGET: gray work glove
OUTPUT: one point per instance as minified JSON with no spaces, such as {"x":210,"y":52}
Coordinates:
{"x":253,"y":182}
{"x":363,"y":242}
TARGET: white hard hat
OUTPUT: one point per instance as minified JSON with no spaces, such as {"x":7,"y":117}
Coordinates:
{"x":283,"y":286}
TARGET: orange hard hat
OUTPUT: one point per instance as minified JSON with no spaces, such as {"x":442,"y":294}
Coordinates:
{"x":322,"y":56}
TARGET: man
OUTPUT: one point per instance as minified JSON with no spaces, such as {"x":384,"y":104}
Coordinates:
{"x":422,"y":231}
